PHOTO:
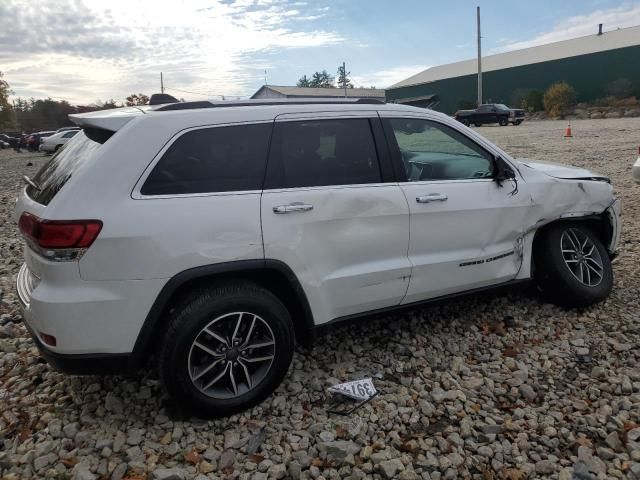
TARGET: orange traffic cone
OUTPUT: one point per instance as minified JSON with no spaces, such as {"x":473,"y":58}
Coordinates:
{"x":567,"y":133}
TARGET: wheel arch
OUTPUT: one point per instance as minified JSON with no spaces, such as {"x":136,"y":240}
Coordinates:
{"x":273,"y":275}
{"x":598,"y":224}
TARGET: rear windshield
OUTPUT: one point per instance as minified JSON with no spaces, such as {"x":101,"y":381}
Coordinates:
{"x":57,"y":171}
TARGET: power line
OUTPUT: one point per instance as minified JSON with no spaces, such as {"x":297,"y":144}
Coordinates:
{"x":203,"y":94}
{"x":189,"y":91}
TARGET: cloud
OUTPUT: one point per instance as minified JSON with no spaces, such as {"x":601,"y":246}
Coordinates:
{"x":581,"y":25}
{"x":387,"y":77}
{"x":87,"y":49}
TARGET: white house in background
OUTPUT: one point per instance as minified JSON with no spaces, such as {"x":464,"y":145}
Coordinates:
{"x":277,"y":91}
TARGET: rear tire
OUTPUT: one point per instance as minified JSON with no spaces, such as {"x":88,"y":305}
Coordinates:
{"x":226,"y":349}
{"x":573,"y":268}
{"x":478,"y":124}
{"x":503,"y":122}
{"x":58,"y":147}
{"x":517,"y":122}
{"x":465,"y":122}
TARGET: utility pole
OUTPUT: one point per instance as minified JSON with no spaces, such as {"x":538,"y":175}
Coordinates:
{"x":479,"y":60}
{"x":344,"y":71}
{"x":161,"y":84}
{"x":265,"y":77}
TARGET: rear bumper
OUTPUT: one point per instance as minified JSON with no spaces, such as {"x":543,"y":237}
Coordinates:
{"x":75,"y":364}
{"x":86,"y":364}
{"x":89,"y":319}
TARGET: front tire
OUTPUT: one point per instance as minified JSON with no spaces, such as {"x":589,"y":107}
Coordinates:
{"x":478,"y":124}
{"x":573,"y":268}
{"x":226,"y":349}
{"x":503,"y":122}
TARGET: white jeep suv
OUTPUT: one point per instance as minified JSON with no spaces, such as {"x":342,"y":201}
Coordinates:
{"x":217,"y":235}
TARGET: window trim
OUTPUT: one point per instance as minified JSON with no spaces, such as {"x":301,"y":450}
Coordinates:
{"x":401,"y":175}
{"x":381,"y":150}
{"x":136,"y":191}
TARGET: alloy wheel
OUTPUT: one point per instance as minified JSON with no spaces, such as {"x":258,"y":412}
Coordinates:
{"x":231,"y":355}
{"x":582,"y":257}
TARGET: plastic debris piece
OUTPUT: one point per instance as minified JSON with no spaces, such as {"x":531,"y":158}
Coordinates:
{"x":363,"y":389}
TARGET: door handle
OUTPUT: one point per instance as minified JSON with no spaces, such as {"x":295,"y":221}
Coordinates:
{"x":432,"y":197}
{"x":293,"y":207}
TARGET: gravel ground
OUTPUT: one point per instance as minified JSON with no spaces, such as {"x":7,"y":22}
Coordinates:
{"x":497,"y":387}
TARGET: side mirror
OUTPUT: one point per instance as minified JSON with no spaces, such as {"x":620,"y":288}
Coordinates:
{"x":502,"y":171}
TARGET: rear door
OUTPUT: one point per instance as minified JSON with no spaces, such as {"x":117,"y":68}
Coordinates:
{"x":332,"y":213}
{"x":464,"y":227}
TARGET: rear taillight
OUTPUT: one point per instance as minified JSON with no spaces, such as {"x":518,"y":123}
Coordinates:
{"x":59,"y":240}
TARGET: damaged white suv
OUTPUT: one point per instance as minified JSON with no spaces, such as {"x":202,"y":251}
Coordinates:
{"x":214,"y":236}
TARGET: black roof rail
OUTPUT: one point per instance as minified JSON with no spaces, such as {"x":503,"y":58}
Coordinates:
{"x":185,"y":105}
{"x":267,"y":102}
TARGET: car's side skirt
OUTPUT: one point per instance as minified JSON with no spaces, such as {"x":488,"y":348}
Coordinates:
{"x":327,"y":327}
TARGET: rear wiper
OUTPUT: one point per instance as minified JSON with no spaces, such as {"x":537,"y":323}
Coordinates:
{"x":31,"y":183}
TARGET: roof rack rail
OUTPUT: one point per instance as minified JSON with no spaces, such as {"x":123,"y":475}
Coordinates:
{"x":267,"y":102}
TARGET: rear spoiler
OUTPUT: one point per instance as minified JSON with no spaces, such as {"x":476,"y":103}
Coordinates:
{"x":112,"y":120}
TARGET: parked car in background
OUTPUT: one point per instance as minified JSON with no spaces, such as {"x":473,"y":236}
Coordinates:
{"x":33,"y":140}
{"x":635,"y":171}
{"x":54,"y":142}
{"x":5,"y":141}
{"x":65,"y":129}
{"x":490,"y":113}
{"x":220,"y":237}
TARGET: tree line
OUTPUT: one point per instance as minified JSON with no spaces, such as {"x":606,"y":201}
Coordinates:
{"x":324,"y":79}
{"x":28,"y":115}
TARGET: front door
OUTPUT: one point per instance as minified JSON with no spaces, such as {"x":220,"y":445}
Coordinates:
{"x":464,"y":226}
{"x":330,"y":213}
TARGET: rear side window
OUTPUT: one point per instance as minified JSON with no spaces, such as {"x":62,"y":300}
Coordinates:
{"x":208,"y":160}
{"x":322,"y":153}
{"x":57,"y":171}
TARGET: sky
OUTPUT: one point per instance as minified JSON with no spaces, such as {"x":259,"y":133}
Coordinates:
{"x":85,"y":51}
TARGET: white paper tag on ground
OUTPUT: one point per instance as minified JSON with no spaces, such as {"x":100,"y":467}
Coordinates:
{"x":358,"y":389}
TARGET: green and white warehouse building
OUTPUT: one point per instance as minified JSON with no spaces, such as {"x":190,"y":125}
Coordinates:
{"x":590,"y":64}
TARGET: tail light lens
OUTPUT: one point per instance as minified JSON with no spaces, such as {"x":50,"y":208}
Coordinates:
{"x":60,"y":240}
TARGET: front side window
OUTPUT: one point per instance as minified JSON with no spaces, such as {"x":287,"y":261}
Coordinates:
{"x":431,"y":151}
{"x":208,"y":160}
{"x":322,"y":152}
{"x":70,"y":134}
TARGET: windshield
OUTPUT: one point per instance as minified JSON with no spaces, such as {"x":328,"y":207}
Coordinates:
{"x":57,"y":171}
